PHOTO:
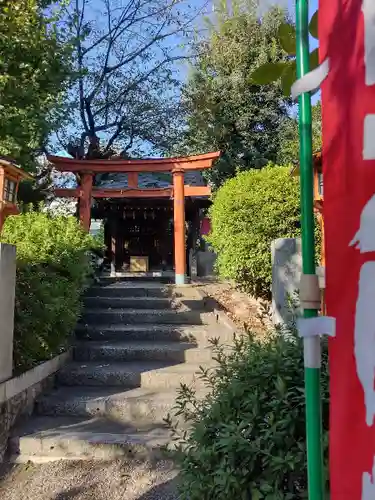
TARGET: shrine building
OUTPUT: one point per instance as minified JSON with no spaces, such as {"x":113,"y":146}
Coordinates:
{"x":152,"y":209}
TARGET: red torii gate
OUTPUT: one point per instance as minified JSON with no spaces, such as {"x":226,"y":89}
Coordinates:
{"x":177,"y":166}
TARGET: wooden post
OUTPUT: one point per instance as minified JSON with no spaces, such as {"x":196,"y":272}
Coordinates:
{"x":113,"y":247}
{"x":85,"y":201}
{"x":179,"y":226}
{"x":2,"y":216}
{"x":133,"y":180}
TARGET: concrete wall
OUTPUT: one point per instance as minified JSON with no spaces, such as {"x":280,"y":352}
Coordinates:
{"x":18,"y":407}
{"x":18,"y":395}
{"x":286,"y":276}
{"x":7,"y":292}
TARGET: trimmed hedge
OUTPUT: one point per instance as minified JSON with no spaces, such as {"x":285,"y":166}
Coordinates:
{"x":247,"y":438}
{"x":248,"y":212}
{"x":53,"y":270}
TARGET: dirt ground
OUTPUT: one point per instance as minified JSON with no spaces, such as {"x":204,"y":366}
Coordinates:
{"x":245,"y":311}
{"x":90,"y":480}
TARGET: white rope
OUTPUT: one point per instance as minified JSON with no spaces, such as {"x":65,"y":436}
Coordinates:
{"x":311,"y":81}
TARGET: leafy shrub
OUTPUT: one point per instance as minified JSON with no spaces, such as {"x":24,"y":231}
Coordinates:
{"x":247,"y":437}
{"x":248,"y":212}
{"x":53,"y":270}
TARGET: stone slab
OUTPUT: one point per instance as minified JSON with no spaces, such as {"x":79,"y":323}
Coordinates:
{"x":92,"y":301}
{"x":179,"y":352}
{"x":95,"y":439}
{"x":136,"y":407}
{"x":148,"y":332}
{"x":286,"y":256}
{"x":154,"y":316}
{"x":131,"y":374}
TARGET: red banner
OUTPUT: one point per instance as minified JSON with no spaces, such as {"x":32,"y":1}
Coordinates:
{"x":347,"y":38}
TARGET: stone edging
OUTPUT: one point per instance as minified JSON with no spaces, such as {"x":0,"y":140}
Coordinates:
{"x":19,"y":384}
{"x":220,"y":315}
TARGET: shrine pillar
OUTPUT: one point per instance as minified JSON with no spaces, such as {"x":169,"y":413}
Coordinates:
{"x":85,"y":200}
{"x":179,"y":226}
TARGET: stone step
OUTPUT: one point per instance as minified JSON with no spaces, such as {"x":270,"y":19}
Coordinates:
{"x":149,"y":303}
{"x":153,"y":316}
{"x":179,"y":352}
{"x":149,"y":332}
{"x":93,"y":302}
{"x":134,"y":290}
{"x":45,"y":439}
{"x":155,"y":278}
{"x":132,"y":374}
{"x":137,"y":407}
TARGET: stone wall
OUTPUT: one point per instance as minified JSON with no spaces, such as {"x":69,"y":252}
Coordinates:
{"x":18,"y":395}
{"x":286,"y":276}
{"x":18,"y":407}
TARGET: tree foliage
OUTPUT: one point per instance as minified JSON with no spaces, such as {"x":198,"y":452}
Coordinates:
{"x":126,"y":54}
{"x":248,"y":213}
{"x":53,"y":269}
{"x":34,"y":73}
{"x":289,"y":144}
{"x":285,"y":72}
{"x":225,"y":110}
{"x":248,"y":437}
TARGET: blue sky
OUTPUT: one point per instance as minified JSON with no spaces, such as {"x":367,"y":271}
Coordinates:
{"x":183,"y":70}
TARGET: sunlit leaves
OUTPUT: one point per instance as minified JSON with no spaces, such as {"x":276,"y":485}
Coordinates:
{"x":34,"y":65}
{"x":225,"y":109}
{"x":288,"y":77}
{"x":313,"y":26}
{"x":52,"y":273}
{"x":287,"y":38}
{"x":285,"y":72}
{"x":268,"y":72}
{"x":247,"y":438}
{"x":314,"y":59}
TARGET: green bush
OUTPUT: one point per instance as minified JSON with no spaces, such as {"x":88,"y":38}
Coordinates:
{"x":248,"y":212}
{"x":53,"y":270}
{"x":247,"y":439}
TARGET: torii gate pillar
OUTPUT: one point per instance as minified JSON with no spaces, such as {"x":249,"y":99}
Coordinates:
{"x":179,"y":226}
{"x":85,"y":200}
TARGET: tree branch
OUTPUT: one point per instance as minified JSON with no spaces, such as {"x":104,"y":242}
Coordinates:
{"x":142,"y":79}
{"x":114,"y":29}
{"x":80,"y":63}
{"x":118,"y":132}
{"x":139,"y":52}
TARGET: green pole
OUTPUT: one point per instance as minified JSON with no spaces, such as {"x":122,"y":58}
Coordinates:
{"x":312,"y":348}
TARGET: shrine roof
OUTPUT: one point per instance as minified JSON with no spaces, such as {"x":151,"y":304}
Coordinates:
{"x":12,"y":167}
{"x":157,"y":180}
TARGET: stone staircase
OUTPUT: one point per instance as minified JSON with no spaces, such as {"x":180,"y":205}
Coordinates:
{"x":136,"y":343}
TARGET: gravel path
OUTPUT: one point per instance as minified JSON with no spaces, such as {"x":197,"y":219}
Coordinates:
{"x":89,"y":480}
